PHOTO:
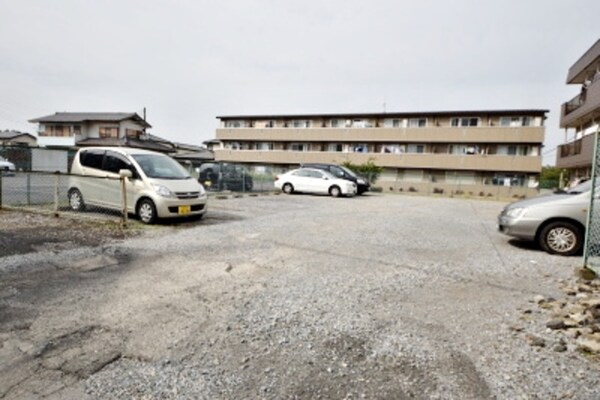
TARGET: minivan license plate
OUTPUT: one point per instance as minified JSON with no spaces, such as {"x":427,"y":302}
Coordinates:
{"x":184,"y":210}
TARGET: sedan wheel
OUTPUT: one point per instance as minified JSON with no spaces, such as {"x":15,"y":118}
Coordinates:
{"x":562,"y":238}
{"x":288,"y":188}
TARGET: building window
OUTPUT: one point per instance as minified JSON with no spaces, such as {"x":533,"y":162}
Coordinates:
{"x":234,"y":124}
{"x":336,"y":147}
{"x":299,"y":147}
{"x":334,"y":123}
{"x":396,"y":123}
{"x":515,"y":121}
{"x":465,"y":121}
{"x":109,"y":132}
{"x":76,"y":129}
{"x":417,"y":122}
{"x":416,"y":148}
{"x":263,"y":146}
{"x":301,"y":124}
{"x":361,"y":148}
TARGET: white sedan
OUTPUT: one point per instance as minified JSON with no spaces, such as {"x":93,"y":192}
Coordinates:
{"x":308,"y":180}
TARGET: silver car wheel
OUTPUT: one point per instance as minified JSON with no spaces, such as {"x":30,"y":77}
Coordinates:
{"x":147,"y":212}
{"x":561,"y":239}
{"x":76,"y":200}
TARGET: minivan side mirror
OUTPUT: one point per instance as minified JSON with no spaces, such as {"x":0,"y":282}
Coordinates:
{"x":125,"y":173}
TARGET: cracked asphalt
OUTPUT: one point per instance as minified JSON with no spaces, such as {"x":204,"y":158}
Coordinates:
{"x":300,"y":297}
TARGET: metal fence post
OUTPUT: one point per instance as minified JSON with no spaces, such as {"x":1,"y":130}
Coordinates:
{"x":590,"y":248}
{"x":0,"y":190}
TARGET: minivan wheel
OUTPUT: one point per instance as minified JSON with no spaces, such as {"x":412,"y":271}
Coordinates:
{"x":335,"y":191}
{"x":76,"y":200}
{"x":288,"y":188}
{"x":146,"y":211}
{"x":562,"y":238}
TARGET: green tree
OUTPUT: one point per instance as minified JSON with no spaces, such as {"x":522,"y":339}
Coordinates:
{"x":550,"y":177}
{"x":368,"y":170}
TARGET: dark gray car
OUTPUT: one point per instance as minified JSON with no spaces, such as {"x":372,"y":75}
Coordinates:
{"x":556,"y":221}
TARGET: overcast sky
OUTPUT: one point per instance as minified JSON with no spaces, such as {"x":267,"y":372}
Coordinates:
{"x":189,"y":61}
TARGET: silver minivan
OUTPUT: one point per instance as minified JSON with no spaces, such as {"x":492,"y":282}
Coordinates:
{"x":157,"y":185}
{"x":556,"y":221}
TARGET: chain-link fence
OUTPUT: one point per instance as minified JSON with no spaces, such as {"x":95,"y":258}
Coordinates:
{"x":591,"y":253}
{"x":49,"y":192}
{"x":232,"y":177}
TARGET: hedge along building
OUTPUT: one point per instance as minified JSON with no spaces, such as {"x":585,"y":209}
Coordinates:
{"x":489,"y":151}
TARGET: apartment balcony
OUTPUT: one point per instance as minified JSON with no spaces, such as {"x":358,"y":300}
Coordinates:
{"x":585,"y":65}
{"x":493,"y":134}
{"x":475,"y":162}
{"x":56,"y":141}
{"x":578,"y":153}
{"x":583,"y":108}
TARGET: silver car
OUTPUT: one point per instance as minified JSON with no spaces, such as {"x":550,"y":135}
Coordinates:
{"x":556,"y":221}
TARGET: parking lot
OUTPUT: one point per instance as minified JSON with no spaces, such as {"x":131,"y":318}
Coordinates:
{"x":377,"y":296}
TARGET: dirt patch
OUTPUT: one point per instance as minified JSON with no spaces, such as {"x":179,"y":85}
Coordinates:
{"x":24,"y":232}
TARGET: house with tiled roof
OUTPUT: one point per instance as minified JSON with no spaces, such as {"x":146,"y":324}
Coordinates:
{"x":16,"y":138}
{"x":80,"y":129}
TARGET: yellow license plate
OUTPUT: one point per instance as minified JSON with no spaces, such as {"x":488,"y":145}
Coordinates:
{"x":184,"y":210}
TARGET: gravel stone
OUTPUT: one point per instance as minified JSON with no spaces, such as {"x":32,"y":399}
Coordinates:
{"x":377,"y":296}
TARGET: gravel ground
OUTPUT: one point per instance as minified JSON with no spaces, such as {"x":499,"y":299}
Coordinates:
{"x":378,"y":296}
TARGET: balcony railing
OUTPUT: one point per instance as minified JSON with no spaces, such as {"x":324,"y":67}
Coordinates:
{"x":582,"y":108}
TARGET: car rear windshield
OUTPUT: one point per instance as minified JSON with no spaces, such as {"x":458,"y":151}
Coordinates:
{"x":160,"y":166}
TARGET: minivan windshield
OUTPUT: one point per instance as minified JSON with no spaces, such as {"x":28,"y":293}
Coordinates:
{"x":160,"y":166}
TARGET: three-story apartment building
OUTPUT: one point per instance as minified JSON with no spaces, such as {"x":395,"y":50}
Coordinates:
{"x":580,"y":116}
{"x":419,"y":151}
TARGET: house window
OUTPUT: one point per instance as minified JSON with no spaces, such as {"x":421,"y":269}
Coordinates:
{"x":76,"y":129}
{"x":334,"y":123}
{"x":56,"y":131}
{"x":465,"y":121}
{"x":108,"y":132}
{"x":133,"y":133}
{"x":417,"y":122}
